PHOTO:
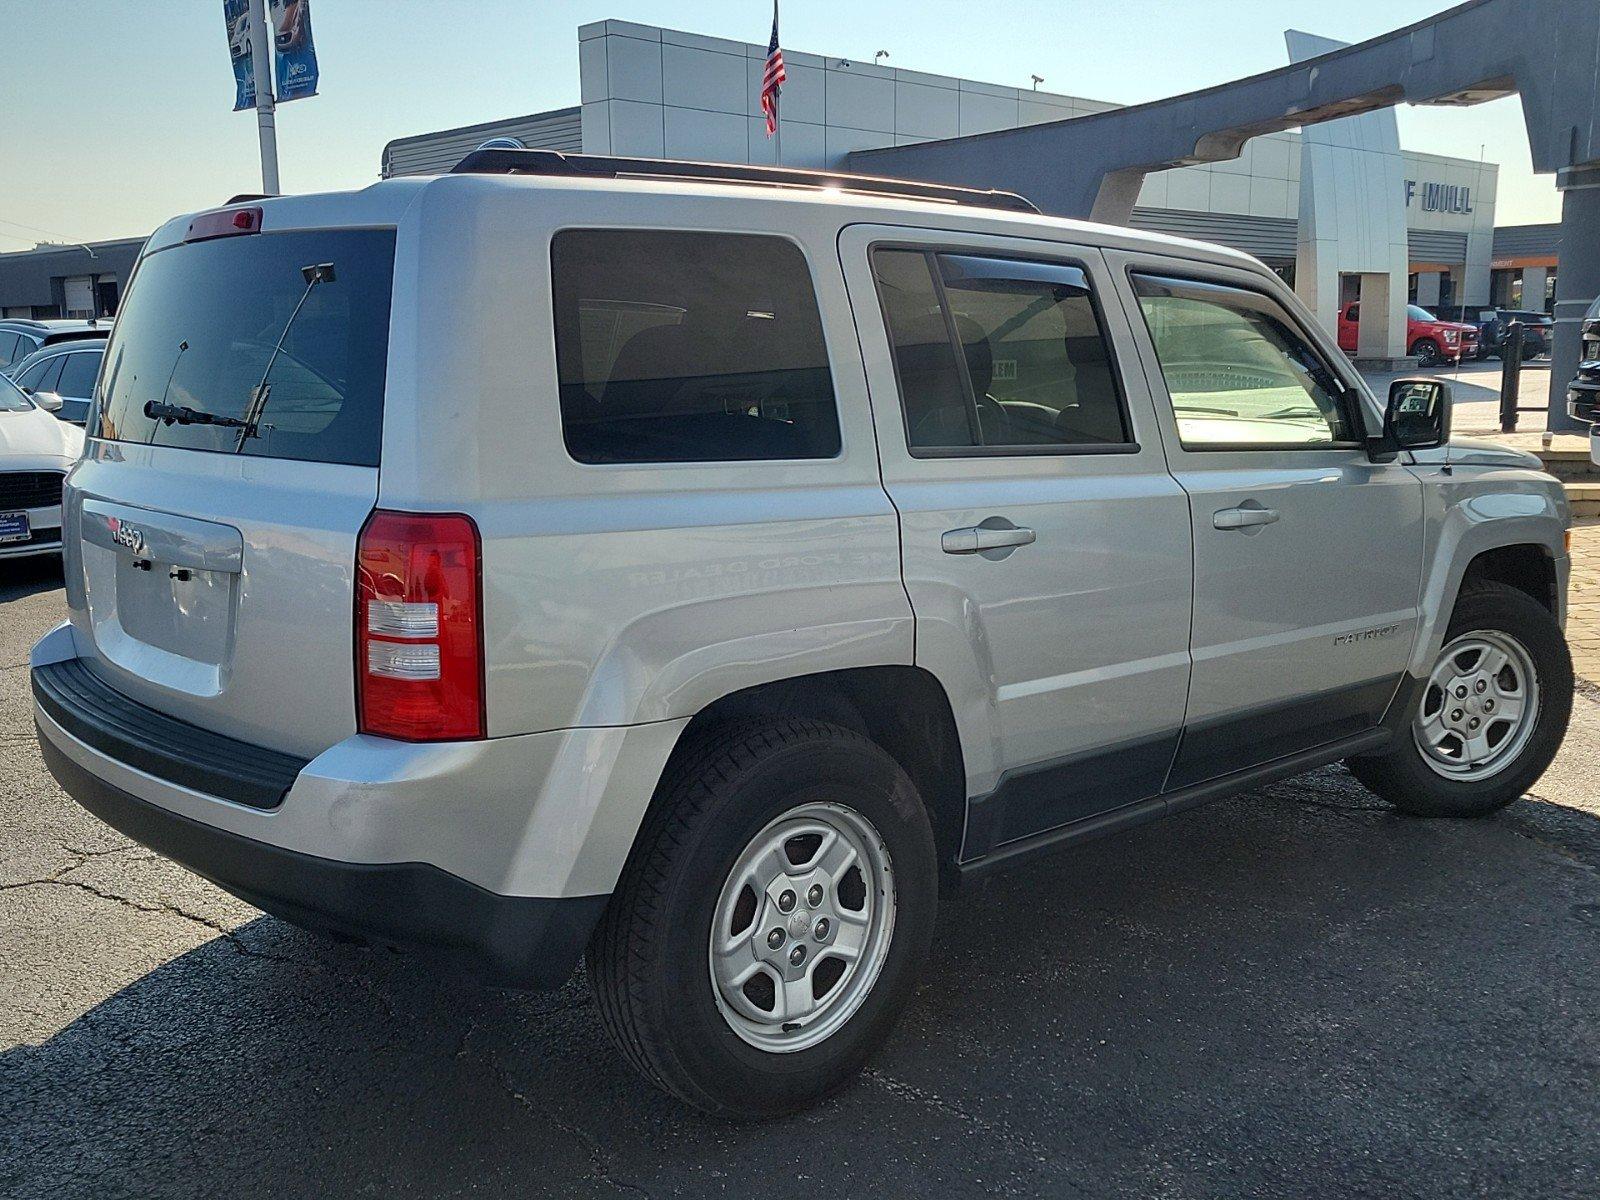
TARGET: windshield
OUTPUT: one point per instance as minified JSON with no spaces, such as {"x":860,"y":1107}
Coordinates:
{"x":11,"y":397}
{"x":271,"y":345}
{"x":1417,"y":313}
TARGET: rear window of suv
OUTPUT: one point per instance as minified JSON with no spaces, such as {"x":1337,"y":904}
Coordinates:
{"x":689,"y":347}
{"x":271,"y":345}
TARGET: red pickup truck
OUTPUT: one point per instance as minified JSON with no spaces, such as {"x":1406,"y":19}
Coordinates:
{"x":1428,"y":339}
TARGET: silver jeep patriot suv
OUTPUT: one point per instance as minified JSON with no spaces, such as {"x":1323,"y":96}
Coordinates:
{"x":693,"y":568}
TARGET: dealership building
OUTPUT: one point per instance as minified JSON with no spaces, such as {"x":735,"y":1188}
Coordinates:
{"x":665,"y":93}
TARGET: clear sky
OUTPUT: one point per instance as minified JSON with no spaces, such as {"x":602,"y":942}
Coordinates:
{"x":116,"y":114}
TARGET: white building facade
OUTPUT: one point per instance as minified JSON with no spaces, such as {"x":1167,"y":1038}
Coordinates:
{"x":652,"y":92}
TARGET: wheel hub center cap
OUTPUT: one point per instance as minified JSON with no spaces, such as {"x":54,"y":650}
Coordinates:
{"x":799,"y":924}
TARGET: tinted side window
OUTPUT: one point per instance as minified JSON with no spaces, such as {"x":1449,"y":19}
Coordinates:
{"x":42,"y":376}
{"x":689,"y":347}
{"x":1032,"y":345}
{"x":8,"y":349}
{"x":1239,"y":373}
{"x":939,"y":413}
{"x":77,"y":376}
{"x":998,"y":353}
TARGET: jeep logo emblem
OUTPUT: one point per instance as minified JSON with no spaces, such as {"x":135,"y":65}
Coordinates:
{"x":127,"y":535}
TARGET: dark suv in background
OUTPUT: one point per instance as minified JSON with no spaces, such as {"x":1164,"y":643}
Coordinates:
{"x":1494,"y":330}
{"x":1583,"y":393}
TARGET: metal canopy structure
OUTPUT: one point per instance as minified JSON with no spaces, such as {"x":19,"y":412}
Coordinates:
{"x":1546,"y":51}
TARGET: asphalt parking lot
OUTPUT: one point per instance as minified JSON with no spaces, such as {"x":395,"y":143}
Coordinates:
{"x":1292,"y":993}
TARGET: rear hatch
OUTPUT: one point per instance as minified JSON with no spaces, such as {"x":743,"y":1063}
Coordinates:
{"x":212,"y":525}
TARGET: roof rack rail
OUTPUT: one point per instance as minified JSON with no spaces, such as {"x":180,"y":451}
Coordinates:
{"x":554,"y":162}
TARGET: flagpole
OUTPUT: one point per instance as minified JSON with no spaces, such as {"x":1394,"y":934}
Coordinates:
{"x":777,"y":114}
{"x":261,"y":69}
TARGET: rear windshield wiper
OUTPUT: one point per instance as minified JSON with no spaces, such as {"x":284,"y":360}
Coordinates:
{"x":251,"y":425}
{"x":182,"y":414}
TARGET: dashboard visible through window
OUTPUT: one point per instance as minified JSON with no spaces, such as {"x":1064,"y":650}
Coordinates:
{"x":1239,"y":373}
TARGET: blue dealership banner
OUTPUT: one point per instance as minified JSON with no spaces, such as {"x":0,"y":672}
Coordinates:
{"x":237,"y":14}
{"x":296,"y":74}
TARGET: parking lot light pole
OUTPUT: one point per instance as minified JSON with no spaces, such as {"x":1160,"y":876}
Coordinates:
{"x":266,"y":105}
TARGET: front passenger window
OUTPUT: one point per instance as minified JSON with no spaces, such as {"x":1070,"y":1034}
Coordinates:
{"x":1239,"y":373}
{"x":41,"y":377}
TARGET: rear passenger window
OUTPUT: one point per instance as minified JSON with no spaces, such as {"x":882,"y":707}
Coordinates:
{"x":77,"y":376}
{"x":1000,"y":354}
{"x":8,"y":349}
{"x":689,"y":347}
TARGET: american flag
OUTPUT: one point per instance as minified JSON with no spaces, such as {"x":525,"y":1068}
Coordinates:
{"x":772,"y":79}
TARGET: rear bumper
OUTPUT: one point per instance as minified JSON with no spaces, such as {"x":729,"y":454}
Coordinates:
{"x":499,"y":853}
{"x":511,"y":941}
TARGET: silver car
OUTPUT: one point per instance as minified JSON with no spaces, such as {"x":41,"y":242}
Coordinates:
{"x":692,"y":572}
{"x":60,"y":378}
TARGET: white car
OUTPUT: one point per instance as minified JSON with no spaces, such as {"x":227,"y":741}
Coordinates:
{"x":36,"y":452}
{"x":560,"y":557}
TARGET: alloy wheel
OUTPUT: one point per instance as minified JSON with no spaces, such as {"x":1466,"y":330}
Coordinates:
{"x":1479,"y":707}
{"x":802,"y":927}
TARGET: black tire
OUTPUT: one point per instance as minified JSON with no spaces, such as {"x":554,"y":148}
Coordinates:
{"x":648,"y":962}
{"x":1402,"y":776}
{"x":1426,"y":352}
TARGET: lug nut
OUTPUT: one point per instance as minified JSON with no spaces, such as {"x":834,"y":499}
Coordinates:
{"x":1481,"y":686}
{"x":1488,"y":706}
{"x":1474,"y":723}
{"x":822,"y":927}
{"x":786,"y":902}
{"x":1455,"y":714}
{"x":1461,"y":692}
{"x":775,"y":938}
{"x":814,"y":896}
{"x":797,"y":955}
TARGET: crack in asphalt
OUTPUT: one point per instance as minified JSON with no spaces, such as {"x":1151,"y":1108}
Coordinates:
{"x":61,"y":878}
{"x":1343,"y":810}
{"x":982,"y":1125}
{"x":600,"y":1166}
{"x":1519,"y":826}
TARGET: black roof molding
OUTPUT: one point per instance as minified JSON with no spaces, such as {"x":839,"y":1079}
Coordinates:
{"x":554,"y":162}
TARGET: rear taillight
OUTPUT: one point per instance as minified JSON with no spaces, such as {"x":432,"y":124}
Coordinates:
{"x":419,"y":627}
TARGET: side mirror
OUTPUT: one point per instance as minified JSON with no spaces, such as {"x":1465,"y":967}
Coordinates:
{"x":1418,"y":415}
{"x":48,"y":401}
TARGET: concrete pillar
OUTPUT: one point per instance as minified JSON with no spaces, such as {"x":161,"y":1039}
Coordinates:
{"x":1381,"y":336}
{"x":1428,"y":288}
{"x":1533,"y":284}
{"x":1472,"y":288}
{"x":1577,"y":282}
